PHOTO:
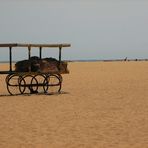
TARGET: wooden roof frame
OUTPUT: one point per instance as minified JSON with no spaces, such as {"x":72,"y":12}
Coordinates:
{"x":29,"y":46}
{"x":34,"y":45}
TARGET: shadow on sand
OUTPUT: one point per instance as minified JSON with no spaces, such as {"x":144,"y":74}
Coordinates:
{"x":49,"y":94}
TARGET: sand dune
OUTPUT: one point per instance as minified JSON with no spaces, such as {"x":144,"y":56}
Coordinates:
{"x":102,"y":105}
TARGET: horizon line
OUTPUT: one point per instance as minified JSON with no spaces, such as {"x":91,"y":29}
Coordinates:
{"x":94,"y":60}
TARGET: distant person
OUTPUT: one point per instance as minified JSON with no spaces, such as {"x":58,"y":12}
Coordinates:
{"x":125,"y":59}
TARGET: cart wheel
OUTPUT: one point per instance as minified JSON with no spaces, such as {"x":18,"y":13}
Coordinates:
{"x":60,"y":77}
{"x":42,"y":83}
{"x":54,"y":83}
{"x":7,"y":78}
{"x":46,"y":83}
{"x":12,"y":82}
{"x":29,"y":83}
{"x":22,"y":85}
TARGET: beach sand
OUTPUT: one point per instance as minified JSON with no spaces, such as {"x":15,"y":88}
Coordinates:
{"x":102,"y":105}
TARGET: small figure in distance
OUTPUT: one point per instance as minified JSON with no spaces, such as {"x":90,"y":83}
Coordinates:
{"x":125,"y":59}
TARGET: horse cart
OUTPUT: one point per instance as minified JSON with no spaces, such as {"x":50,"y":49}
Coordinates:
{"x":36,"y":74}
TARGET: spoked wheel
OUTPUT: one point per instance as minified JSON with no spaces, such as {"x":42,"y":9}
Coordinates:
{"x":42,"y":83}
{"x":29,"y":84}
{"x":7,"y":78}
{"x":13,"y":82}
{"x":54,"y":83}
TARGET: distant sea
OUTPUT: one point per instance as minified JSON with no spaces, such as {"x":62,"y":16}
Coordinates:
{"x":107,"y":60}
{"x":93,"y":60}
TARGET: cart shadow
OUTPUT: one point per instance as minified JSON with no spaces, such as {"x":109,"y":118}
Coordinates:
{"x":50,"y":94}
{"x":45,"y":94}
{"x":8,"y":95}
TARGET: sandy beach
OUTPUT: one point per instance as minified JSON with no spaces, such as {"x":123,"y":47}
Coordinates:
{"x":102,"y":105}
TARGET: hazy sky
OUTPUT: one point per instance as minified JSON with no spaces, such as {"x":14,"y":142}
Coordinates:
{"x":96,"y":29}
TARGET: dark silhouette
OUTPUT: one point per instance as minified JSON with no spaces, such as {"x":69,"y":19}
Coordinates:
{"x":35,"y":64}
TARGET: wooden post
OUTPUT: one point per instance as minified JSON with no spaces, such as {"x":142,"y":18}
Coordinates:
{"x":10,"y":58}
{"x":40,"y":52}
{"x":60,"y":51}
{"x":29,"y":55}
{"x":29,"y":52}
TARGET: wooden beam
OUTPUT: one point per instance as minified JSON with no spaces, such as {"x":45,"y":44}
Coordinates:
{"x":8,"y":45}
{"x":43,"y":45}
{"x":34,"y":45}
